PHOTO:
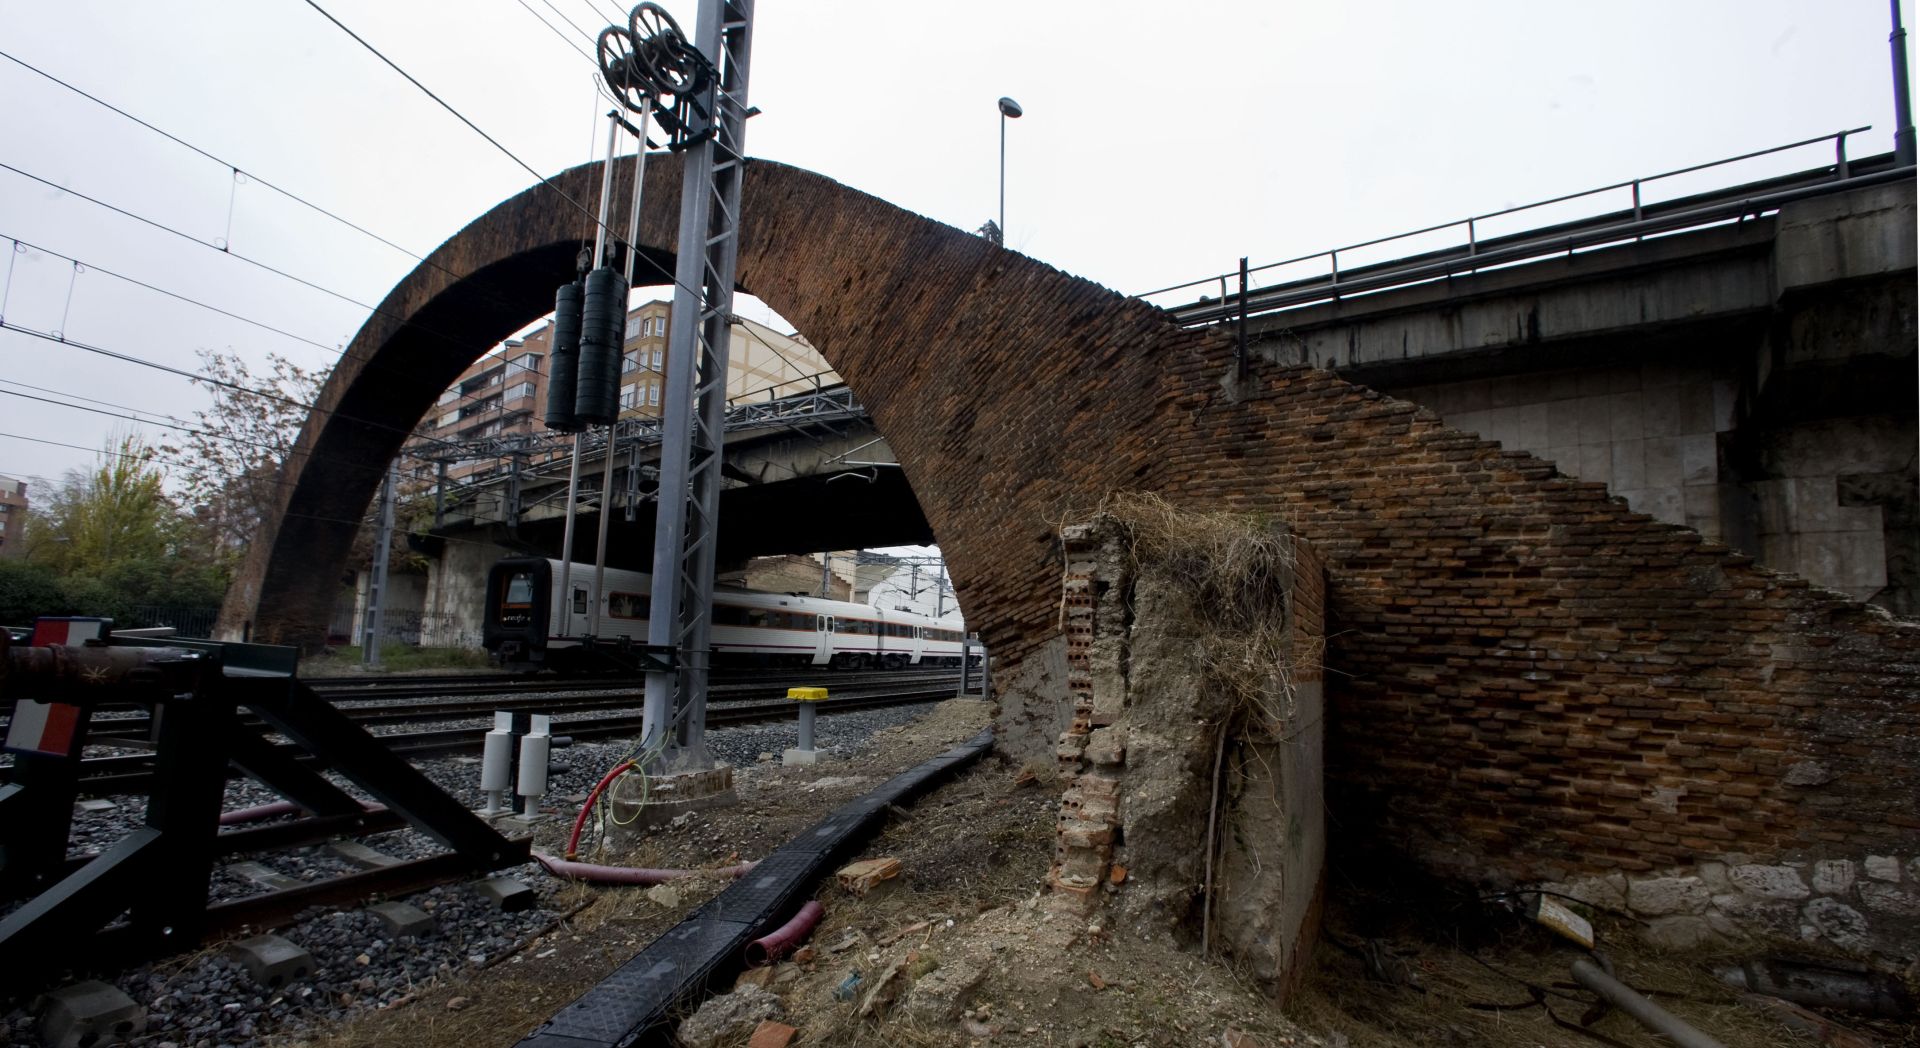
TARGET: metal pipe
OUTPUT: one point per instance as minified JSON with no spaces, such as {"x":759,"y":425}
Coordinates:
{"x":606,"y":192}
{"x":1240,"y":338}
{"x":775,"y":944}
{"x":1903,"y":143}
{"x":600,"y":545}
{"x":806,"y":727}
{"x":565,"y":603}
{"x":1645,"y":1012}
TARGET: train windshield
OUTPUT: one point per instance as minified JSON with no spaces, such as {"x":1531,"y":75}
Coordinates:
{"x":520,"y":588}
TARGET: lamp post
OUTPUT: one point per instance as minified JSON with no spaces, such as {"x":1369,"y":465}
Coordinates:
{"x":1903,"y":144}
{"x":1008,"y":108}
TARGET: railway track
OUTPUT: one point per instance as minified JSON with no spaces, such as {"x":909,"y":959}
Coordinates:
{"x":131,"y":773}
{"x":374,"y":704}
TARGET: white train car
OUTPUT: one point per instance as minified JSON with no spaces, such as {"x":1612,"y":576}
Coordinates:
{"x":530,"y":619}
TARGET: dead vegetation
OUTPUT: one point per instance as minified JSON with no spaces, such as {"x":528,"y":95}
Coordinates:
{"x":1234,"y":572}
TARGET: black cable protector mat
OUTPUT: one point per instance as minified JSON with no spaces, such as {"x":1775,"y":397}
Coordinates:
{"x":638,"y":1003}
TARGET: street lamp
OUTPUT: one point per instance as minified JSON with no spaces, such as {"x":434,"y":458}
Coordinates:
{"x":1008,"y":108}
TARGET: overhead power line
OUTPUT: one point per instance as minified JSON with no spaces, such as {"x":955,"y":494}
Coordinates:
{"x":7,"y":325}
{"x":339,"y":355}
{"x":612,"y":235}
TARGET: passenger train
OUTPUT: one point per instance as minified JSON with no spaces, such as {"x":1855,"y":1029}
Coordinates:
{"x":528,"y":621}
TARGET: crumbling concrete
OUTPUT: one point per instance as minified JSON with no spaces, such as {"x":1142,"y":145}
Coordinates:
{"x":1192,"y":758}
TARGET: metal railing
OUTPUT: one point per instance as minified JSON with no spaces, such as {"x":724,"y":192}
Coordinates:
{"x":1635,"y":220}
{"x":822,"y":404}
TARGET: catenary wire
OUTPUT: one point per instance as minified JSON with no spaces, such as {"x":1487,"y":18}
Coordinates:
{"x":176,"y":424}
{"x":7,"y":325}
{"x":555,"y":30}
{"x":237,"y":170}
{"x":344,"y":355}
{"x":170,"y":462}
{"x":594,"y":218}
{"x":341,"y":355}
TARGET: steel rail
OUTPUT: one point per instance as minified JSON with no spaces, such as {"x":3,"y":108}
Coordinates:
{"x":132,"y":772}
{"x":626,"y":695}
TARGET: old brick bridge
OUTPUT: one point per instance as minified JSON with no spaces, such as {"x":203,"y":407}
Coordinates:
{"x":1526,"y":677}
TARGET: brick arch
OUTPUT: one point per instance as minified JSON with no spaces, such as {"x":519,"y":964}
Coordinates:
{"x":1529,"y":679}
{"x":917,"y":317}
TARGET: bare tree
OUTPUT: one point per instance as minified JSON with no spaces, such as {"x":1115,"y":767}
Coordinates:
{"x":228,"y":472}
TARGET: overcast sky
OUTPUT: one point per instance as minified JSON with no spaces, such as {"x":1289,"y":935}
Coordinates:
{"x":1160,"y":141}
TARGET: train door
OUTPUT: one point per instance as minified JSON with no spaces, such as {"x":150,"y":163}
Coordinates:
{"x":822,"y":641}
{"x":919,"y":643}
{"x":577,"y":618}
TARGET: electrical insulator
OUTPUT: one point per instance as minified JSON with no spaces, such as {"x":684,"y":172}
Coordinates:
{"x":603,"y":334}
{"x":563,"y":365}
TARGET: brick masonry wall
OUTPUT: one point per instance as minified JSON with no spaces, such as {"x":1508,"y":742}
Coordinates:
{"x":1528,"y":679}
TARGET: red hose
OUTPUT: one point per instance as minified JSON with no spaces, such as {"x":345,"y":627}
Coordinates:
{"x":586,"y":871}
{"x":774,"y":945}
{"x":580,"y":820}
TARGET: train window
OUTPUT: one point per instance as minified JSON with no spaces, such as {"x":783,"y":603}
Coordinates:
{"x":628,"y":605}
{"x":820,"y":623}
{"x":579,"y":602}
{"x":520,"y":588}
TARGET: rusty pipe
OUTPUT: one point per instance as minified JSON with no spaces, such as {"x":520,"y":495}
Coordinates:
{"x":76,"y":670}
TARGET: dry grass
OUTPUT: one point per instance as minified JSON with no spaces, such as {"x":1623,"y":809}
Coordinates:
{"x":1235,"y":572}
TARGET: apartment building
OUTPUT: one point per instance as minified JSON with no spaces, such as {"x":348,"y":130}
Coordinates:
{"x":505,"y":392}
{"x":13,"y":516}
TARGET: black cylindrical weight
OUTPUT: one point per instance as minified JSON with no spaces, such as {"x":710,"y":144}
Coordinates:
{"x":603,"y":331}
{"x":564,"y":364}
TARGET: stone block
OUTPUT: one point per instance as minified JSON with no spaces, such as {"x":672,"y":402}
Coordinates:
{"x":1699,"y":459}
{"x":1661,"y":461}
{"x":1838,"y":923}
{"x":1714,"y":876}
{"x":1629,"y":466}
{"x":401,"y":920}
{"x":89,"y":1013}
{"x":798,"y":757}
{"x":507,"y":894}
{"x":938,"y":997}
{"x":1893,"y":900}
{"x":1807,"y":773}
{"x":1832,"y":876}
{"x":726,"y":1019}
{"x":1660,"y":896}
{"x":1769,"y":882}
{"x":1680,"y":932}
{"x":1882,"y":867}
{"x":273,"y":961}
{"x":1107,"y":746}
